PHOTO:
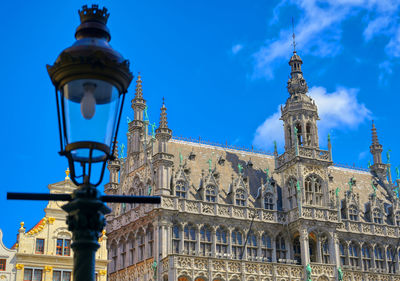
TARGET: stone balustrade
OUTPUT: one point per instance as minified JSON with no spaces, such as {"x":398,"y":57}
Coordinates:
{"x":306,"y":152}
{"x":359,"y":275}
{"x":370,"y":228}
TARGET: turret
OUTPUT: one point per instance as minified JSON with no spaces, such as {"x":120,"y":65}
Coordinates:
{"x":376,"y":150}
{"x":162,"y":160}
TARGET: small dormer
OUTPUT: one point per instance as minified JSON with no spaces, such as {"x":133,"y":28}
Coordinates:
{"x":238,"y":193}
{"x":375,"y":211}
{"x":351,"y":206}
{"x":181,"y":181}
{"x":209,"y":187}
{"x":267,"y":195}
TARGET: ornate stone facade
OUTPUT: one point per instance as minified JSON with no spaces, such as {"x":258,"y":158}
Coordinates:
{"x":44,"y":252}
{"x":228,"y":214}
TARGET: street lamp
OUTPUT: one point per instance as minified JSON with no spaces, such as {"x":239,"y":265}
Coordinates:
{"x":91,"y":80}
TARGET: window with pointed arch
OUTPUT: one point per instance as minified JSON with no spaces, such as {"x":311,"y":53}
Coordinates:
{"x":325,"y":249}
{"x":222,"y":241}
{"x":131,"y":250}
{"x":292,"y":191}
{"x":140,"y":245}
{"x":205,"y":240}
{"x":180,"y":189}
{"x":313,"y":188}
{"x":379,"y":257}
{"x":211,"y":193}
{"x":308,"y":134}
{"x":150,"y":241}
{"x":354,"y":254}
{"x":366,"y":256}
{"x":397,"y":218}
{"x":252,"y":246}
{"x":189,"y":232}
{"x":176,"y":239}
{"x":240,"y":197}
{"x":280,"y":248}
{"x":122,"y":255}
{"x":342,"y":253}
{"x":269,"y":201}
{"x":353,"y":213}
{"x":183,"y":278}
{"x":377,"y":216}
{"x":297,"y":249}
{"x":289,"y":136}
{"x":237,"y":244}
{"x":299,"y":134}
{"x":113,"y":257}
{"x":391,"y":259}
{"x":266,"y":247}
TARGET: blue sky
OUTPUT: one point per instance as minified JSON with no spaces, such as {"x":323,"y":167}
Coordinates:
{"x":222,"y":67}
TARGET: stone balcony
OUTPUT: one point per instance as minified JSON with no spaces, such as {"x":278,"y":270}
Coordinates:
{"x":360,"y":275}
{"x":226,"y":269}
{"x":303,"y":152}
{"x":369,"y":228}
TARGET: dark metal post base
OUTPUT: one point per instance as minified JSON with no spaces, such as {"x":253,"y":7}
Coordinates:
{"x":86,"y":221}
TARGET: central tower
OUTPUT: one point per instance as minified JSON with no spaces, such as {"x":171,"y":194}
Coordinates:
{"x":299,"y":115}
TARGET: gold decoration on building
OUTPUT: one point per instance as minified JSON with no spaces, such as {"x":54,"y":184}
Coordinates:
{"x":22,"y":224}
{"x":16,"y":245}
{"x":103,"y":272}
{"x":51,"y":220}
{"x":19,"y":266}
{"x":67,"y":173}
{"x":3,"y":277}
{"x":48,"y":268}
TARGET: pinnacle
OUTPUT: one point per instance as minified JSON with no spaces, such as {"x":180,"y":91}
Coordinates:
{"x":375,"y":140}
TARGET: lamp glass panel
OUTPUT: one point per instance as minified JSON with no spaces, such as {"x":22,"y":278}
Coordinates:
{"x":91,"y":109}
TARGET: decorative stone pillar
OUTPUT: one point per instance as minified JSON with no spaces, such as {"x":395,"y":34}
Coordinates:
{"x":318,"y":249}
{"x":347,"y":251}
{"x":229,"y":240}
{"x":273,"y":242}
{"x":259,"y":244}
{"x":334,"y":249}
{"x":373,"y":265}
{"x":182,"y":235}
{"x":305,"y":250}
{"x":214,"y":242}
{"x":385,"y":259}
{"x":198,"y":237}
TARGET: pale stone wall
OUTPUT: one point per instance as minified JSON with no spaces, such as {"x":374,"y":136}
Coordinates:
{"x":9,"y":255}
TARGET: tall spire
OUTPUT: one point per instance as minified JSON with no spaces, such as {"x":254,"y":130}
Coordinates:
{"x":294,"y":37}
{"x":376,"y":151}
{"x":138,"y":90}
{"x":163,"y":116}
{"x":163,"y":131}
{"x":375,"y":140}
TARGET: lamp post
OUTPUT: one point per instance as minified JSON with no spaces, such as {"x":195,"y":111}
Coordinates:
{"x":91,"y":80}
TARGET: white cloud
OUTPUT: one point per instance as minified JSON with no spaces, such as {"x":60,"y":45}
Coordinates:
{"x":337,"y":110}
{"x":319,"y":30}
{"x":386,"y":70}
{"x":236,"y":48}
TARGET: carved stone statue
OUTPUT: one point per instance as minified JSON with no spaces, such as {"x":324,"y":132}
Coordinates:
{"x":153,"y":130}
{"x":308,"y":272}
{"x":149,"y":190}
{"x":122,"y":147}
{"x":128,"y":119}
{"x":154,"y":267}
{"x":340,"y":274}
{"x":337,"y":191}
{"x":397,"y":173}
{"x":180,"y":158}
{"x":146,"y":117}
{"x":240,"y":168}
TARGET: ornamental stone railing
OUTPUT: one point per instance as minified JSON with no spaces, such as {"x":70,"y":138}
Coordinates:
{"x":214,"y":268}
{"x":359,"y":275}
{"x":222,"y":210}
{"x":305,"y":152}
{"x":370,"y":228}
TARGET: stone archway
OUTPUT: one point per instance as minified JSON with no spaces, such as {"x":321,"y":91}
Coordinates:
{"x":323,"y":278}
{"x":312,"y":245}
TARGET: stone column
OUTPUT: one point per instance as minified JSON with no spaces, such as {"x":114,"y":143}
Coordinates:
{"x":273,"y":242}
{"x":198,"y":237}
{"x":229,"y":240}
{"x":347,"y":253}
{"x":386,"y":269}
{"x":259,"y":244}
{"x":305,"y":250}
{"x":319,"y":249}
{"x":182,"y":235}
{"x":214,"y":242}
{"x":373,"y":265}
{"x":334,"y":249}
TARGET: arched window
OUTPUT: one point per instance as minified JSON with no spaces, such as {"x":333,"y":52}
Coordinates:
{"x":131,"y":250}
{"x":299,"y":135}
{"x":353,"y":213}
{"x":308,"y":134}
{"x":280,"y":248}
{"x":176,"y":239}
{"x":397,"y":222}
{"x":391,"y":259}
{"x":140,"y":245}
{"x":269,"y":201}
{"x":292,"y":191}
{"x":190,"y":239}
{"x":313,"y":188}
{"x":289,"y":136}
{"x":252,"y":247}
{"x":150,"y":241}
{"x":342,"y":253}
{"x":366,"y":257}
{"x":379,"y":258}
{"x":354,"y":254}
{"x":180,"y":189}
{"x":297,"y":250}
{"x":237,"y":244}
{"x":240,"y":197}
{"x":221,"y":243}
{"x":114,"y":255}
{"x":211,"y":193}
{"x":312,"y":244}
{"x":266,"y":247}
{"x":325,"y":249}
{"x":123,"y":255}
{"x":377,"y":216}
{"x":205,"y":241}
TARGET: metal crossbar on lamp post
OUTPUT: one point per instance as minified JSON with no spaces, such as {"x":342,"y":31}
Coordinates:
{"x":91,"y":80}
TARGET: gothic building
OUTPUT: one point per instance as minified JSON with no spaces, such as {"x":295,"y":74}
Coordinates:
{"x":229,"y":214}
